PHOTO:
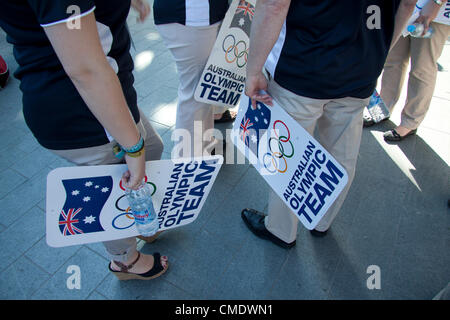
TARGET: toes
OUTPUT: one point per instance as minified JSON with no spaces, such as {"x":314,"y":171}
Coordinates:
{"x":164,"y":261}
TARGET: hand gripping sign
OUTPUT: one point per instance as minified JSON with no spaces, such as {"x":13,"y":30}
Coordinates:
{"x":442,"y":17}
{"x":222,"y":81}
{"x":303,"y":174}
{"x":88,"y":204}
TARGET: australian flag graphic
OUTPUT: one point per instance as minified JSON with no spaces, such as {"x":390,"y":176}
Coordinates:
{"x":243,"y":17}
{"x":254,"y":125}
{"x":85,"y":199}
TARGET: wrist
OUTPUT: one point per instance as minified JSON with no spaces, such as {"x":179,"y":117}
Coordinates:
{"x":134,"y":151}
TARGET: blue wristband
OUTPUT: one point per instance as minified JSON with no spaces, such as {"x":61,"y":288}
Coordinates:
{"x":138,"y":146}
{"x":120,"y":151}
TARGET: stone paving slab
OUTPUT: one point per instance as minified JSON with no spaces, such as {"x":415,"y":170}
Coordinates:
{"x":395,"y":215}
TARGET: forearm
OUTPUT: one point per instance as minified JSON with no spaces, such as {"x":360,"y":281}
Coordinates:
{"x":404,"y":12}
{"x":266,"y":26}
{"x":101,"y":91}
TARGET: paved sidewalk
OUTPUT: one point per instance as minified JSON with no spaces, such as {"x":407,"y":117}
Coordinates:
{"x":395,"y":216}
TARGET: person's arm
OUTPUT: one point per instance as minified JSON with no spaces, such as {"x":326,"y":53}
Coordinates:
{"x":81,"y":54}
{"x":429,"y":13}
{"x":266,"y":26}
{"x":404,"y":12}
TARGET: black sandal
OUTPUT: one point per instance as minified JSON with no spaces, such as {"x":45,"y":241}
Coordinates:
{"x":156,"y":271}
{"x":392,"y":135}
{"x":226,"y":117}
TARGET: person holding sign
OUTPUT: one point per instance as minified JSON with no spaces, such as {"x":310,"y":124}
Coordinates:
{"x":323,"y":59}
{"x":424,"y":53}
{"x":189,"y":30}
{"x":78,"y":97}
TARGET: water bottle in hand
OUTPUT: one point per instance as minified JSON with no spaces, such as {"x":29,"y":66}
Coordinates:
{"x":416,"y":30}
{"x":141,"y":205}
{"x":377,"y":109}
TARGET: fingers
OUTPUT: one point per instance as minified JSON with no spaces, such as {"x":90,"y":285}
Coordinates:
{"x":133,"y":177}
{"x":131,"y":182}
{"x":142,"y":7}
{"x":128,"y":182}
{"x":263,"y":98}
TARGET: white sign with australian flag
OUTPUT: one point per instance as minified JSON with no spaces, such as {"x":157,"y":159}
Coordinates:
{"x":302,"y":172}
{"x":223,"y":79}
{"x":88,"y":204}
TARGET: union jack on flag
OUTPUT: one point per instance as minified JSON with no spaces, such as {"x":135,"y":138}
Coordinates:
{"x":69,"y":222}
{"x":245,"y":126}
{"x":243,"y":17}
{"x":246,"y":9}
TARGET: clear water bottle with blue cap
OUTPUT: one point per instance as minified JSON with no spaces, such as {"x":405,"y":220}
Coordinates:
{"x":416,"y":31}
{"x":144,"y":214}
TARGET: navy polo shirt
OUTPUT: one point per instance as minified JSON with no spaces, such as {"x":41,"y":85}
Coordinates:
{"x":52,"y":107}
{"x":333,"y":49}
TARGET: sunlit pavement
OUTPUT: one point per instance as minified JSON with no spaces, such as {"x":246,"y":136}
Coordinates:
{"x":395,"y":217}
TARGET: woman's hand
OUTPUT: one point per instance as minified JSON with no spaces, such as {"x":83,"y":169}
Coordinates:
{"x":142,"y":7}
{"x":135,"y":174}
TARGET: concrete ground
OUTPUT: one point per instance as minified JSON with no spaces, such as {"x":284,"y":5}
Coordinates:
{"x":395,"y":217}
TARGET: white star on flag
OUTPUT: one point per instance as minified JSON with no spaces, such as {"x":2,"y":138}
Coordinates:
{"x":89,"y":219}
{"x":256,"y":119}
{"x":105,"y":189}
{"x":241,"y":22}
{"x":254,"y":139}
{"x":75,"y":192}
{"x":96,"y":187}
{"x":88,"y":184}
{"x":86,"y":199}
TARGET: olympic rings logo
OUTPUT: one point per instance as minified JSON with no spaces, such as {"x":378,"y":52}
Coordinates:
{"x":272,"y":159}
{"x":235,"y":52}
{"x":125,"y":219}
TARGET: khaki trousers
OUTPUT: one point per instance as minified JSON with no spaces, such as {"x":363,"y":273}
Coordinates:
{"x":191,"y":46}
{"x":424,"y":54}
{"x":339,"y":128}
{"x":122,"y":249}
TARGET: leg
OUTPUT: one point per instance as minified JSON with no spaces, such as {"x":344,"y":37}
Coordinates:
{"x":280,"y":220}
{"x":191,"y":47}
{"x":340,"y":130}
{"x":422,"y":78}
{"x":394,"y":72}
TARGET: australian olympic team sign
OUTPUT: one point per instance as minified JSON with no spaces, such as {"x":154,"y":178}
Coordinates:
{"x":222,"y":81}
{"x":88,"y":204}
{"x":302,"y":172}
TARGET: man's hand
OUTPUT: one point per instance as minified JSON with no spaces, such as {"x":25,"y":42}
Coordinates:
{"x":256,"y":89}
{"x":428,"y":14}
{"x":142,"y":7}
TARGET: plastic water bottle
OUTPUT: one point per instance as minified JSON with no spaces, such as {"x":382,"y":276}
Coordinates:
{"x":377,"y":109}
{"x":416,"y":30}
{"x":141,"y":205}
